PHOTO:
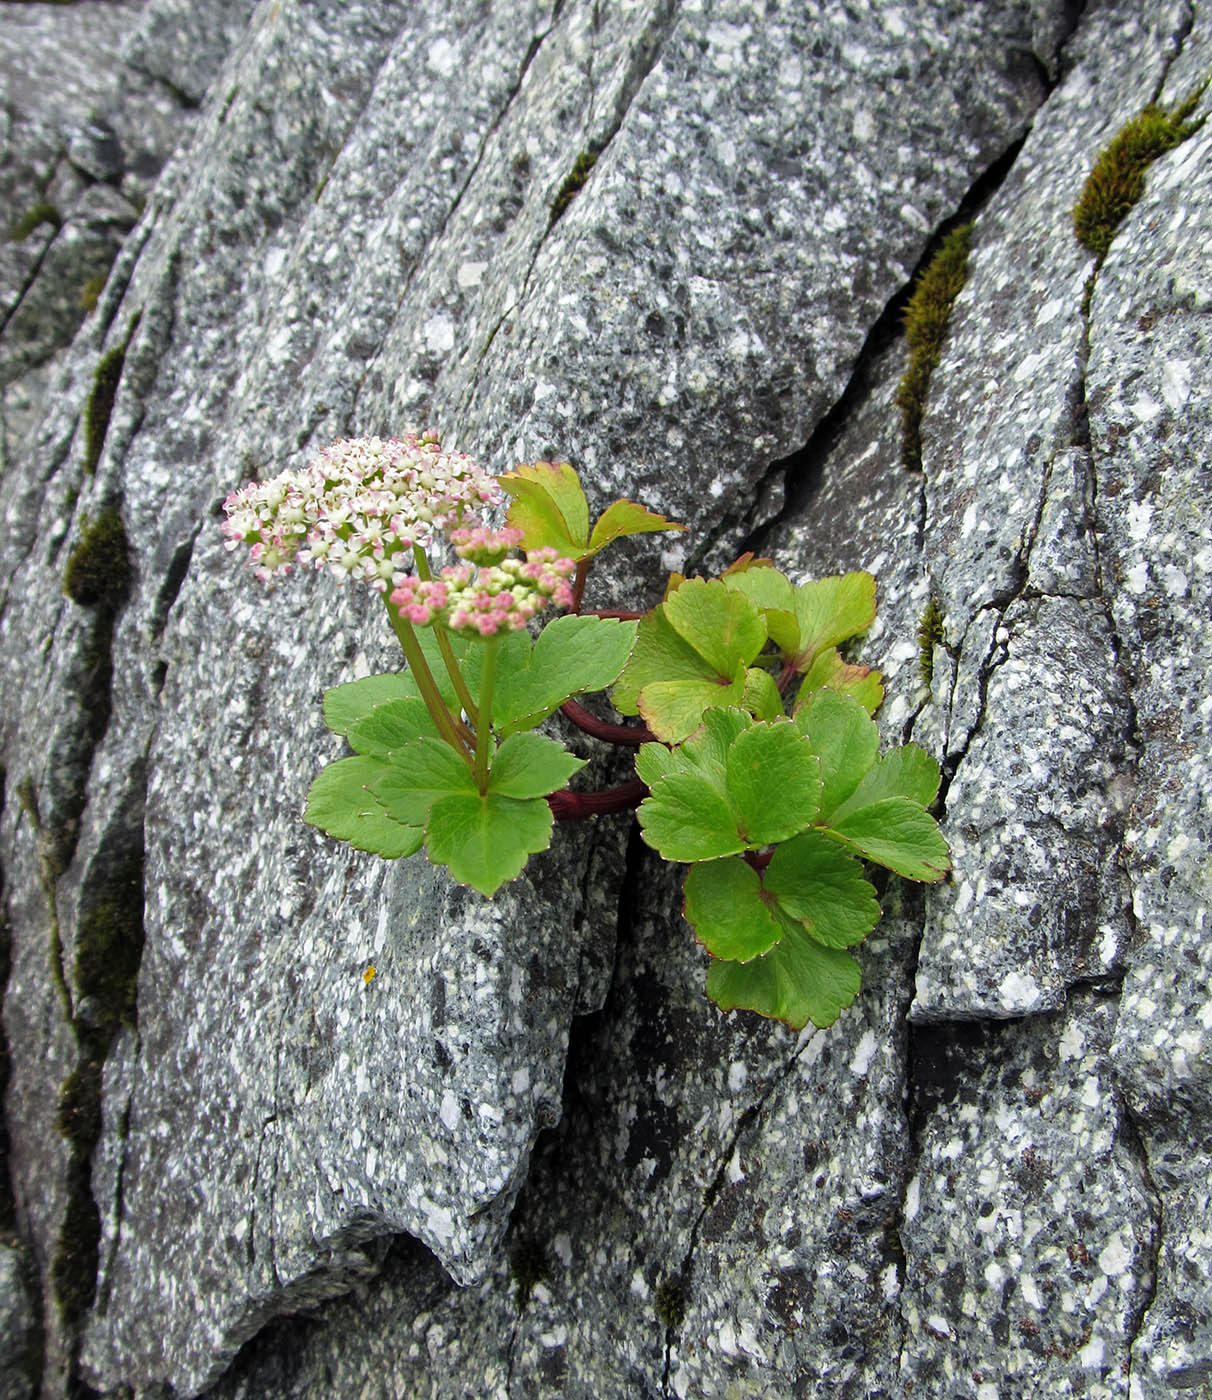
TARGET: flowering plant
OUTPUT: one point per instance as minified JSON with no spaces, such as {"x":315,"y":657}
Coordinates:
{"x":773,"y":812}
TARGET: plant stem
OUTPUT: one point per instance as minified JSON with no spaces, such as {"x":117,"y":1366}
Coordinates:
{"x":448,"y":727}
{"x":578,"y":583}
{"x":484,"y":730}
{"x":602,"y":729}
{"x":568,"y":806}
{"x":443,"y":641}
{"x":623,"y":614}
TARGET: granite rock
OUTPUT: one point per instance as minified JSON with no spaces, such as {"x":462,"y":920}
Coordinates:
{"x":353,"y":1130}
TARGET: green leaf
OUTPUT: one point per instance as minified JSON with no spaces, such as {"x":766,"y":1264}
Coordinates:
{"x":762,"y":696}
{"x":573,"y":654}
{"x":830,"y":610}
{"x":722,"y":626}
{"x":486,"y":840}
{"x":549,"y":507}
{"x":691,"y":653}
{"x":724,"y":905}
{"x":627,"y":518}
{"x":706,"y":751}
{"x":817,"y":883}
{"x":828,"y":669}
{"x":773,"y":781}
{"x":655,"y":761}
{"x":797,"y":981}
{"x":686,"y":818}
{"x":390,"y":726}
{"x":897,"y":833}
{"x":419,"y":774}
{"x":771,"y":592}
{"x":531,"y":765}
{"x":841,"y":732}
{"x":345,"y":704}
{"x":341,"y":804}
{"x":905,"y":772}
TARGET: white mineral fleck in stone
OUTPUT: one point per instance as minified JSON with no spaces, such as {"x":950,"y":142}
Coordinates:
{"x":734,"y":1172}
{"x":1092,"y":1092}
{"x":913,"y":1198}
{"x":521,"y":1080}
{"x":638,"y":1286}
{"x":1018,"y":991}
{"x":938,"y":1323}
{"x":1030,"y":1293}
{"x":727,"y":1337}
{"x":864,"y":1053}
{"x":443,"y":58}
{"x":471,"y":274}
{"x":738,"y":1073}
{"x":561,"y":1247}
{"x":1140,"y":519}
{"x":439,"y":334}
{"x":1175,"y":581}
{"x":1145,"y":408}
{"x":438,"y":1219}
{"x":1072,"y":1044}
{"x":1114,"y":1257}
{"x":890,"y":1284}
{"x":1176,"y":383}
{"x":1090,"y":1357}
{"x":449,"y":1111}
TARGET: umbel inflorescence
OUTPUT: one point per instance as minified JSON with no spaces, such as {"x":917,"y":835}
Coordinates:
{"x":773,"y":811}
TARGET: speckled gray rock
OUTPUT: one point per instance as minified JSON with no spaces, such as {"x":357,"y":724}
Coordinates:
{"x":367,"y":228}
{"x":18,"y":1340}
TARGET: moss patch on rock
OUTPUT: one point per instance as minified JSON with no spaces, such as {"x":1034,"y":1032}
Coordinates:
{"x":44,"y":212}
{"x":100,"y":406}
{"x":98,"y":569}
{"x":1117,"y":180}
{"x":568,"y":191}
{"x":926,"y":319}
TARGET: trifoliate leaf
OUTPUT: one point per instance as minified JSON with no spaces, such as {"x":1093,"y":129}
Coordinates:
{"x":685,"y":818}
{"x":340,"y":802}
{"x":486,"y":840}
{"x":344,"y":704}
{"x":843,"y":734}
{"x":571,"y":655}
{"x":706,"y":751}
{"x":773,"y":782}
{"x":690,"y":653}
{"x":797,"y":981}
{"x":531,"y":765}
{"x":830,"y":610}
{"x":627,"y":518}
{"x":390,"y":726}
{"x":722,"y":626}
{"x":816,"y":882}
{"x":905,"y":772}
{"x":549,"y":507}
{"x":828,"y":669}
{"x":418,"y":774}
{"x":897,"y":833}
{"x":771,"y":592}
{"x":724,"y":906}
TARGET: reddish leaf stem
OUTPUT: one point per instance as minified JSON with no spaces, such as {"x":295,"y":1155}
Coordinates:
{"x":568,"y":806}
{"x":602,"y":729}
{"x":758,"y":859}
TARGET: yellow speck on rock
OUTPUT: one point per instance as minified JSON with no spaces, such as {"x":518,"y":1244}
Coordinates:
{"x":369,"y":975}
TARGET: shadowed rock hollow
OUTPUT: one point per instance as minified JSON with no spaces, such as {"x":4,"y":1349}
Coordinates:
{"x":671,"y":242}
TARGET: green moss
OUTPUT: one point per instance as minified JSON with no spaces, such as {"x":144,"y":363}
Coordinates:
{"x":80,"y":1105}
{"x":926,"y":319}
{"x":101,"y":404}
{"x":929,"y":635}
{"x":527,"y":1267}
{"x":1117,"y":180}
{"x":671,"y":1303}
{"x":568,"y":191}
{"x":98,"y":569}
{"x":34,"y":217}
{"x":90,"y":292}
{"x":109,"y":946}
{"x":77,"y":1251}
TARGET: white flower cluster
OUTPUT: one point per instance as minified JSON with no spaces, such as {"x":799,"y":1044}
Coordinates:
{"x":356,"y":506}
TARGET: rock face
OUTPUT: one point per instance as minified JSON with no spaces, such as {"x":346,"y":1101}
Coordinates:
{"x":672,"y":243}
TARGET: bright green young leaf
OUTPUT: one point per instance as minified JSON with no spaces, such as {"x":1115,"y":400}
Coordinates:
{"x":685,"y":818}
{"x":844,"y":735}
{"x":390,"y":726}
{"x":797,"y":981}
{"x":722,"y":626}
{"x":341,"y":803}
{"x":905,"y":772}
{"x":762,"y":698}
{"x":345,"y":704}
{"x":531,"y":765}
{"x":549,"y":507}
{"x":659,"y":654}
{"x":706,"y":751}
{"x":627,"y":518}
{"x":897,"y":833}
{"x":773,"y":781}
{"x":864,"y":684}
{"x":816,"y":882}
{"x":830,"y":610}
{"x":486,"y":840}
{"x":419,"y":774}
{"x":573,"y":654}
{"x":724,"y":905}
{"x":674,"y":709}
{"x":771,"y":592}
{"x":655,"y":761}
